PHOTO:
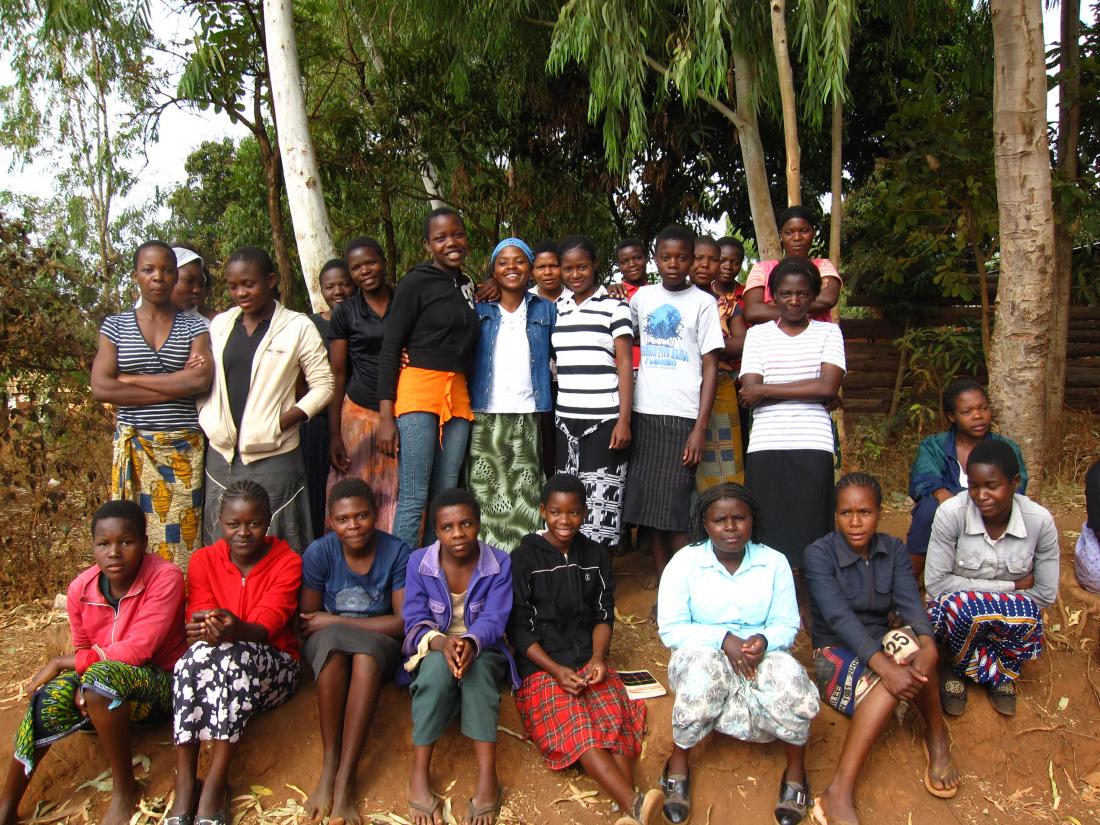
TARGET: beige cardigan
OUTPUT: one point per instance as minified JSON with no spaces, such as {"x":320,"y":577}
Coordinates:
{"x":291,"y":345}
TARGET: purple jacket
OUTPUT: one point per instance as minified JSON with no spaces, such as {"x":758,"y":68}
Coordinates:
{"x":487,"y":605}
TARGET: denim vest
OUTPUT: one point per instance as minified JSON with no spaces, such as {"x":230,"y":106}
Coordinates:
{"x":541,"y":316}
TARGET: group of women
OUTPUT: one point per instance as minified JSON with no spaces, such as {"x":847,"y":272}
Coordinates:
{"x":430,"y":384}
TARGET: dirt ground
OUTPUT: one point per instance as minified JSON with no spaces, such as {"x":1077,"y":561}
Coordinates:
{"x":1042,"y":766}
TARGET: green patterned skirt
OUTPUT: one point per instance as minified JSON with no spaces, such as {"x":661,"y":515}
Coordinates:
{"x":504,"y":472}
{"x":52,"y":714}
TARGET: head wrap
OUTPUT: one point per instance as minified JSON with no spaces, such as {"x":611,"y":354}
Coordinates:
{"x":186,"y":256}
{"x":518,"y":243}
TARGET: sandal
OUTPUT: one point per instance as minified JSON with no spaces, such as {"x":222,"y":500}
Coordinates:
{"x":493,"y":808}
{"x":179,"y":819}
{"x":942,"y":793}
{"x":952,"y":693}
{"x":794,"y":801}
{"x":421,"y":808}
{"x":644,"y":808}
{"x":677,"y":788}
{"x":1003,"y":697}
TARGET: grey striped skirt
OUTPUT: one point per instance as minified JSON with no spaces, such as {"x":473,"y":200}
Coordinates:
{"x":658,"y":485}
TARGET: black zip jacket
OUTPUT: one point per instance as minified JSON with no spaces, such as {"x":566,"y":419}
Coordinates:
{"x":433,"y":318}
{"x":558,"y":599}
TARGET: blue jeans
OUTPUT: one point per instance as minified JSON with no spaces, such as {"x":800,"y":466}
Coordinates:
{"x":425,"y":468}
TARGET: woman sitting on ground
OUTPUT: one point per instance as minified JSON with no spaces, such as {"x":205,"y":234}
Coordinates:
{"x":726,"y":607}
{"x":937,"y":473}
{"x":239,"y":663}
{"x":458,"y":597}
{"x":857,"y":578}
{"x":126,"y":620}
{"x":574,"y":708}
{"x":992,"y":568}
{"x":353,"y":588}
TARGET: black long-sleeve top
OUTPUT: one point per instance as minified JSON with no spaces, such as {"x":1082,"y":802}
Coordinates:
{"x":558,"y":599}
{"x":432,"y":317}
{"x":851,"y":598}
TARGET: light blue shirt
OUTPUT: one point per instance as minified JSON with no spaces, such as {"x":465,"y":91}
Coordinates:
{"x":699,"y":601}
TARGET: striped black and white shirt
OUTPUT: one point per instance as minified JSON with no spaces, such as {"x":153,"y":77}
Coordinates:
{"x":584,"y":345}
{"x":137,"y":357}
{"x":782,"y":358}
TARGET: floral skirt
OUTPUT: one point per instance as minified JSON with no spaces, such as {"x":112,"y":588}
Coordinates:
{"x":217,"y":688}
{"x":359,"y":428}
{"x":779,"y":702}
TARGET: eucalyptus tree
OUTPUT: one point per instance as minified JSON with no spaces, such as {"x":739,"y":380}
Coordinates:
{"x":81,"y":83}
{"x":1021,"y":343}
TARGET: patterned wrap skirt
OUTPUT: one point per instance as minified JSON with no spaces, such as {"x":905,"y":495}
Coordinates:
{"x":52,"y":714}
{"x":284,"y":478}
{"x":845,"y":680}
{"x":358,"y":426}
{"x":989,"y":635}
{"x":722,"y":455}
{"x":217,"y":688}
{"x":504,"y":472}
{"x":564,"y":727}
{"x":162,"y":471}
{"x":584,"y":450}
{"x":659,"y":486}
{"x":778,"y":703}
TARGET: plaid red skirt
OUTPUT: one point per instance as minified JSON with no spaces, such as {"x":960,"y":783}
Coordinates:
{"x":563,"y":727}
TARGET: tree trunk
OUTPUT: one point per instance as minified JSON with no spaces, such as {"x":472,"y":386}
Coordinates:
{"x":300,"y":173}
{"x":1069,"y":130}
{"x":790,"y":104}
{"x":387,"y":227}
{"x":273,"y":185}
{"x":1021,"y":341}
{"x":752,"y":154}
{"x":836,"y":213}
{"x":981,"y":262}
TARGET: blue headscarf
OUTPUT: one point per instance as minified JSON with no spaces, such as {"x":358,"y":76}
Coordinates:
{"x":519,"y":243}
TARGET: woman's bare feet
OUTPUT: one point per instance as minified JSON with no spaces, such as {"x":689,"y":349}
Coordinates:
{"x":837,"y":808}
{"x":319,"y":803}
{"x":124,"y":799}
{"x":345,"y":805}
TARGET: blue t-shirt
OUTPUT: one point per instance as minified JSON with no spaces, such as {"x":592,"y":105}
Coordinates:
{"x":346,"y":593}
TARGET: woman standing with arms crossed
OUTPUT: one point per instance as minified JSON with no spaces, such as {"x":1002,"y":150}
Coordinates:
{"x":358,"y":325}
{"x":424,"y":409}
{"x":152,"y":362}
{"x":251,"y":416}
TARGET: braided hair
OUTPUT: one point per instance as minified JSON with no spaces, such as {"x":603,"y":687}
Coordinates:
{"x":861,"y":480}
{"x":246,"y":491}
{"x":728,"y":490}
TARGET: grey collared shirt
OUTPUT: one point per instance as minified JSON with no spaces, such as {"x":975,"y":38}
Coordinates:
{"x":962,"y":556}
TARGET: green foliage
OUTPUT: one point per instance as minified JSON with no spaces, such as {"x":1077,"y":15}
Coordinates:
{"x":925,"y":222}
{"x":936,"y":356}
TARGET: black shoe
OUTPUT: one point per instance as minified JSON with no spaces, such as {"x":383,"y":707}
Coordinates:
{"x":1003,"y":697}
{"x":677,"y":788}
{"x":794,"y":801}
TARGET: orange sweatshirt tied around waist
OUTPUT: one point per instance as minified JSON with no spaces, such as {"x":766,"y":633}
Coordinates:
{"x":431,"y":391}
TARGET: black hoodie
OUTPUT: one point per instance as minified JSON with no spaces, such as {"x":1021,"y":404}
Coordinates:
{"x":558,"y":599}
{"x":432,"y":316}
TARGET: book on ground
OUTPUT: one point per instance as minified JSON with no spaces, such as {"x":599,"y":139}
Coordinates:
{"x":640,"y":684}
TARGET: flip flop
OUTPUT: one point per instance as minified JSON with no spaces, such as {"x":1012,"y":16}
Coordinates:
{"x":492,"y":808}
{"x":421,"y":808}
{"x":941,"y":793}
